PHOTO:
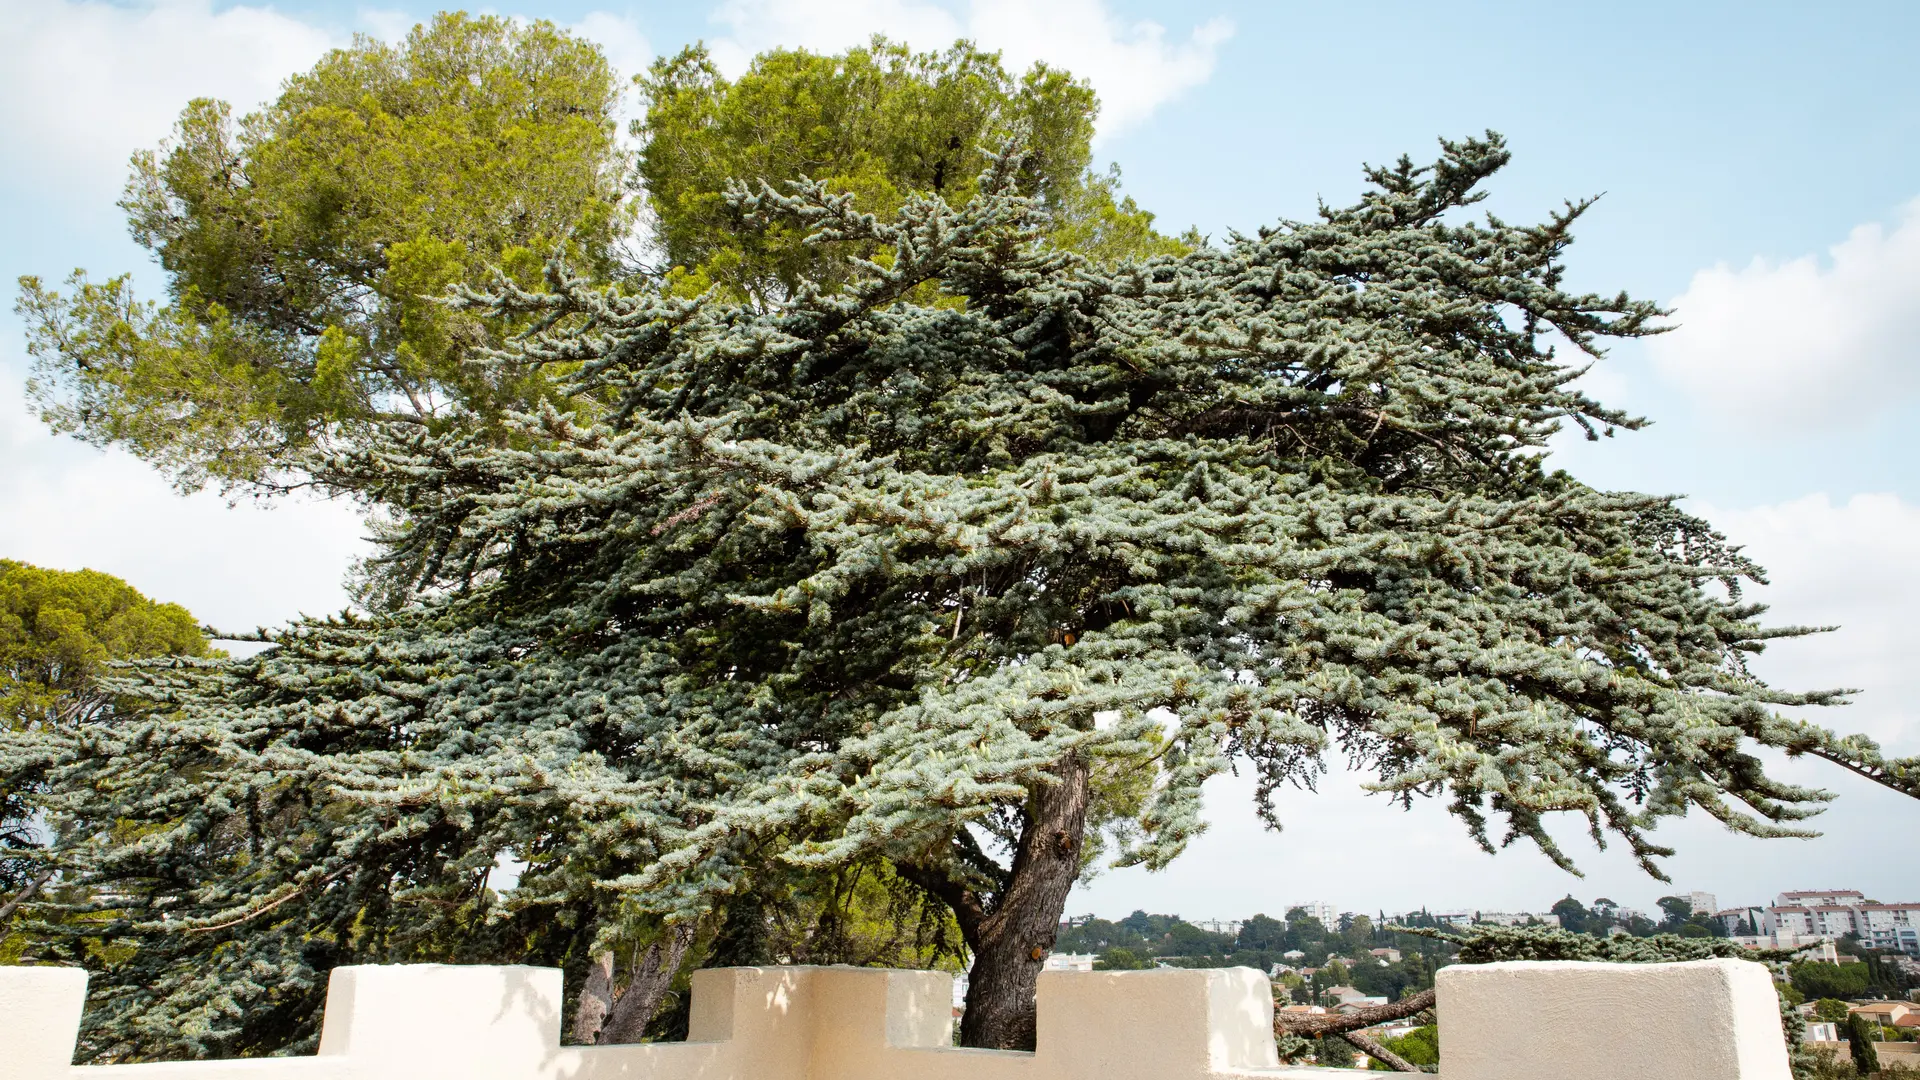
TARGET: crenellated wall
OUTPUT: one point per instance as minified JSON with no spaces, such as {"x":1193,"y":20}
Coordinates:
{"x":1707,"y":1020}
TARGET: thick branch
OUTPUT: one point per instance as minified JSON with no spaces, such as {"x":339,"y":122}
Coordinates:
{"x":1314,"y":1027}
{"x":1379,"y":1053}
{"x":967,"y":909}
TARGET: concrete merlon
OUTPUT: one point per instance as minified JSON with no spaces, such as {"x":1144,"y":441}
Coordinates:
{"x":39,"y":1020}
{"x":1705,"y":1019}
{"x":434,"y":1020}
{"x":1713,"y":1019}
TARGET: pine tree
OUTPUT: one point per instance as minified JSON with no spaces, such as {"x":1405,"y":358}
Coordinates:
{"x":984,"y":584}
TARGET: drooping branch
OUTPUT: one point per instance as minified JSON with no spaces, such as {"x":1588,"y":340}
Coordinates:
{"x":26,"y":893}
{"x":249,"y":916}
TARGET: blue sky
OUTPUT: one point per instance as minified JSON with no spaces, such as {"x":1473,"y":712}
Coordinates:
{"x":1760,"y":164}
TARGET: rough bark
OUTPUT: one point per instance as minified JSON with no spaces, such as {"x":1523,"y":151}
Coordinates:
{"x":1314,"y":1027}
{"x":1011,"y":933}
{"x":26,"y":893}
{"x":1374,"y":1050}
{"x":627,"y":1019}
{"x":596,"y":1000}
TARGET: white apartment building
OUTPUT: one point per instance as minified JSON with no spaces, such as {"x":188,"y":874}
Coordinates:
{"x":1838,"y":912}
{"x":1731,"y":918}
{"x":1807,"y":897}
{"x":1904,"y":939}
{"x":1321,"y":910}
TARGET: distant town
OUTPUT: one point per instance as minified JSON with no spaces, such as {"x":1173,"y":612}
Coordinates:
{"x":1813,"y":920}
{"x":1852,"y":955}
{"x":1321,"y":957}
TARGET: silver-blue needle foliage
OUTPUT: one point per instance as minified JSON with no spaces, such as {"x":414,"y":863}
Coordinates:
{"x":847,"y":575}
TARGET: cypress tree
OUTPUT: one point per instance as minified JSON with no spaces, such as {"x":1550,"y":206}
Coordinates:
{"x":1866,"y":1057}
{"x":979,"y":563}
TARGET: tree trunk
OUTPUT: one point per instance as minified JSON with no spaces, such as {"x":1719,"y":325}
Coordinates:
{"x":627,"y":1020}
{"x":1010,"y":943}
{"x":596,"y":1000}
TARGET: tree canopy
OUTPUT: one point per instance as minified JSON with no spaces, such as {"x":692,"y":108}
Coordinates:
{"x":305,"y":248}
{"x":908,"y":569}
{"x":880,"y":123}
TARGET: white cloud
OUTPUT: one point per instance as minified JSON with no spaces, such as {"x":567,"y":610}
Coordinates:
{"x":826,"y":26}
{"x":627,"y":49}
{"x":1808,"y":342}
{"x":1853,"y":566}
{"x":1133,"y":65}
{"x":620,"y":38}
{"x":68,"y":506}
{"x":85,"y":83}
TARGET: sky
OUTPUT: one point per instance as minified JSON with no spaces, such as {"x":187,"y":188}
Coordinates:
{"x":1760,"y":171}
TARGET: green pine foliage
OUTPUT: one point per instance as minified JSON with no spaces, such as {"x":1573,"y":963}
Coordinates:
{"x":1821,"y":980}
{"x":1421,"y":1046}
{"x":304,"y":246}
{"x":881,"y":123}
{"x":847,"y":574}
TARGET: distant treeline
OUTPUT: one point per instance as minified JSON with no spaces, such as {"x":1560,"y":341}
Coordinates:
{"x":1322,"y":956}
{"x":1141,"y":940}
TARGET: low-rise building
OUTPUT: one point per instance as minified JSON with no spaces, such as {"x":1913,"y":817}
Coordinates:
{"x":1809,"y":946}
{"x":1515,"y":918}
{"x":1889,"y":1013}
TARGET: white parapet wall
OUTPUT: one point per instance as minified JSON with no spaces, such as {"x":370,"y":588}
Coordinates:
{"x":1705,"y":1021}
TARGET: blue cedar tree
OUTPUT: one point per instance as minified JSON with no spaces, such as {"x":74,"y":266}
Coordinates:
{"x":854,"y":575}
